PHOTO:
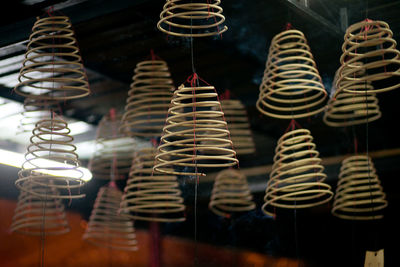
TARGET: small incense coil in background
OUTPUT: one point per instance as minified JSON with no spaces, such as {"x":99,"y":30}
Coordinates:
{"x":113,"y":153}
{"x":149,"y":195}
{"x":51,"y":162}
{"x":108,"y":228}
{"x":52,"y":68}
{"x":348,"y":109}
{"x":36,"y":216}
{"x":239,"y":126}
{"x":195,"y":134}
{"x":230,"y":194}
{"x":371,"y":43}
{"x":297,"y":178}
{"x":148,"y":99}
{"x":291,"y":87}
{"x":34,"y":111}
{"x":199,"y":18}
{"x":359,"y":194}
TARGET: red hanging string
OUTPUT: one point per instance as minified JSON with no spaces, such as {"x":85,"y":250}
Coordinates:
{"x":193,"y":81}
{"x":215,"y":18}
{"x":153,"y":55}
{"x":112,"y":113}
{"x":292,"y":125}
{"x":155,"y":244}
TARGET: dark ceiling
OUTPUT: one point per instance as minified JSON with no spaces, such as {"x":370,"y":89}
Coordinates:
{"x":115,"y":35}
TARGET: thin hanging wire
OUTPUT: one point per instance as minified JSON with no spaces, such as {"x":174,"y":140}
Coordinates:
{"x":194,"y":134}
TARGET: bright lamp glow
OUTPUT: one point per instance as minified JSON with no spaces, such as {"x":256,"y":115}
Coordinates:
{"x":14,"y":159}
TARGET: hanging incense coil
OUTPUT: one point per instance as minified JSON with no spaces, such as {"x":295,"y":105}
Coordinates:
{"x":348,"y":109}
{"x":239,"y":126}
{"x":359,"y":194}
{"x":230,"y":194}
{"x":297,"y":178}
{"x":371,"y":43}
{"x":113,"y":154}
{"x":51,"y":162}
{"x":197,"y":18}
{"x":151,"y":196}
{"x":108,"y":228}
{"x":52,"y":68}
{"x":36,"y":216}
{"x":195,"y":134}
{"x":34,"y":111}
{"x":291,"y":87}
{"x":148,"y":99}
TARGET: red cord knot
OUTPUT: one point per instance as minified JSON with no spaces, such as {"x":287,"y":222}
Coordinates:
{"x":225,"y":95}
{"x":293,"y":125}
{"x":50,"y":11}
{"x":153,"y":142}
{"x":368,"y":27}
{"x":289,"y":26}
{"x":112,"y":114}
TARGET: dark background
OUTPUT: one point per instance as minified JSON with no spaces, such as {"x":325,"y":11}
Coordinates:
{"x":115,"y":35}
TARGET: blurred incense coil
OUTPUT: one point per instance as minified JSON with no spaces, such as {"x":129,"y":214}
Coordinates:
{"x":149,"y":195}
{"x":231,"y":194}
{"x":359,"y":194}
{"x":199,"y":18}
{"x":51,"y":162}
{"x":347,"y":109}
{"x":52,"y":68}
{"x":195,"y":134}
{"x":291,"y":87}
{"x":113,"y":153}
{"x":108,"y":228}
{"x":34,"y":111}
{"x":369,"y":42}
{"x":36,"y":216}
{"x":297,"y":178}
{"x":239,"y":126}
{"x":148,"y":99}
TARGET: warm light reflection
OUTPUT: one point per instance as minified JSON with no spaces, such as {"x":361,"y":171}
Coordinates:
{"x":14,"y":159}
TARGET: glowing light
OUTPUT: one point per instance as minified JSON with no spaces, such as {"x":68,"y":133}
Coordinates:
{"x":14,"y":159}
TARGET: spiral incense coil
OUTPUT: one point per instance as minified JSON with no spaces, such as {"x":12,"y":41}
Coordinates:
{"x":151,"y":196}
{"x":36,"y":216}
{"x":291,"y":87}
{"x":297,"y":178}
{"x":231,"y":194}
{"x":34,"y":111}
{"x":51,"y":162}
{"x":108,"y":228}
{"x":348,"y":109}
{"x":359,"y":194}
{"x":239,"y":126}
{"x":370,"y":42}
{"x":195,"y":134}
{"x":108,"y":164}
{"x":148,"y":99}
{"x":199,"y":18}
{"x":113,"y":153}
{"x":108,"y":127}
{"x":52,"y":63}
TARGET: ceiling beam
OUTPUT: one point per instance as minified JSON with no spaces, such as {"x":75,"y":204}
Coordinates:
{"x":297,"y":5}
